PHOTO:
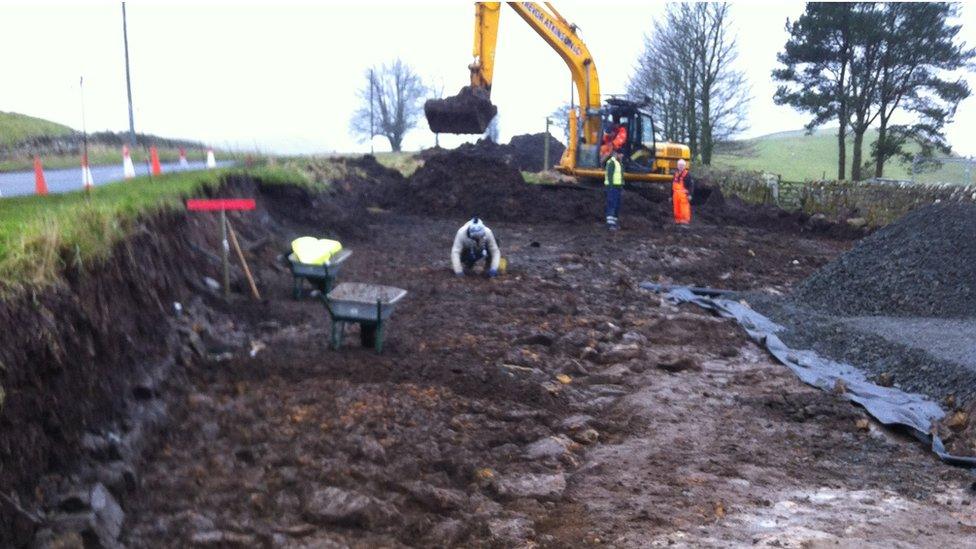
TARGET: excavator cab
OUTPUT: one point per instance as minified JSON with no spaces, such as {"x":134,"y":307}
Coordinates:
{"x":639,"y":148}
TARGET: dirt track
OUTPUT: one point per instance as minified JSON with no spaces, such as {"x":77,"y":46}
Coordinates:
{"x":462,"y":434}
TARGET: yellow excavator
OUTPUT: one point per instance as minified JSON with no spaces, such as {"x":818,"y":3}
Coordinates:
{"x":645,"y":158}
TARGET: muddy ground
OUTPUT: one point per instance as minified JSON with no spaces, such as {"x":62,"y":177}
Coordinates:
{"x":557,"y":405}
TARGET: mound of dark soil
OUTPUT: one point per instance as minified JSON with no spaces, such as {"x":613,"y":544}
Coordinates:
{"x":479,"y":180}
{"x":525,"y":152}
{"x":922,"y":265}
{"x":344,"y":209}
{"x":529,"y":151}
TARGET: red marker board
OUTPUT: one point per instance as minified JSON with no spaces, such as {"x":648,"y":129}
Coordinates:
{"x":218,"y":204}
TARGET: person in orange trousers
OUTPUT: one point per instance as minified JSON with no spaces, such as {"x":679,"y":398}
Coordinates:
{"x":680,"y":194}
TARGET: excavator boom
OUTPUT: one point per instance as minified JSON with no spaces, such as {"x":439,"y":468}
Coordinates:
{"x":471,"y":110}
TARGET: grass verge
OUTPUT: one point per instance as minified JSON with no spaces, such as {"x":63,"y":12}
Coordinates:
{"x":41,"y":235}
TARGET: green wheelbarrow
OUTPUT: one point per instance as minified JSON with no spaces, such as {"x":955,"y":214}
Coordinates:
{"x":322,"y":277}
{"x":368,"y":305}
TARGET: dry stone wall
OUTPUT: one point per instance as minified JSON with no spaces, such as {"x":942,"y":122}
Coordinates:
{"x":874,"y":203}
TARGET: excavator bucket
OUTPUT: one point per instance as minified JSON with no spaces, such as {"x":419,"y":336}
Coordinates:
{"x":470,"y":111}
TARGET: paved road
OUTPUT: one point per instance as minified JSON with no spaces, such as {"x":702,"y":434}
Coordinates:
{"x":69,"y":179}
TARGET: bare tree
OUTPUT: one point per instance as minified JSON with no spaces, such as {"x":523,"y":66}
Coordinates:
{"x":437,"y":92}
{"x":687,"y":70}
{"x":560,"y":122}
{"x":723,"y":93}
{"x":392,"y":101}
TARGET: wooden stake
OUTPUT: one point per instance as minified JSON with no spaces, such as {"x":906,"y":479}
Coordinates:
{"x":224,"y":252}
{"x":240,"y":255}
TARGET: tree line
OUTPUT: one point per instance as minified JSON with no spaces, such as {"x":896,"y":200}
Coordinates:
{"x":687,"y":72}
{"x":863,"y":63}
{"x":898,"y":67}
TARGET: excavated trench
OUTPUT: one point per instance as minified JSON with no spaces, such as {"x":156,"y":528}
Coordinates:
{"x":129,"y":419}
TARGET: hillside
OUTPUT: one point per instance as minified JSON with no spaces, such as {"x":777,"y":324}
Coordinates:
{"x":797,"y":156}
{"x":15,"y":128}
{"x":59,"y":146}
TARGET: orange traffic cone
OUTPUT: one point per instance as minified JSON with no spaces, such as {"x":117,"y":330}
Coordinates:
{"x":154,"y":158}
{"x":86,"y":176}
{"x":40,"y":184}
{"x":128,"y":170}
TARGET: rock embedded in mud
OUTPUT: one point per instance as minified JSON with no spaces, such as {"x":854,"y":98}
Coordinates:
{"x":588,"y":436}
{"x":576,"y":339}
{"x":591,"y":354}
{"x":614,"y":374}
{"x":447,"y":533}
{"x":674,"y":364}
{"x":634,"y":337}
{"x":576,"y":422}
{"x":218,"y":538}
{"x":958,"y":421}
{"x":100,"y":447}
{"x":886,"y":379}
{"x":620,"y":352}
{"x":370,"y":448}
{"x":531,"y":485}
{"x":435,"y":498}
{"x":191,"y":521}
{"x":211,"y":284}
{"x":119,"y":477}
{"x":93,"y":514}
{"x":552,"y":447}
{"x":335,"y":506}
{"x":510,"y":532}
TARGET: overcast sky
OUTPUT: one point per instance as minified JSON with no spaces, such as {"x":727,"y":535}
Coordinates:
{"x":282,"y":77}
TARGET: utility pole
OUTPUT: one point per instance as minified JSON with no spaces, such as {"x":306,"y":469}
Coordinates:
{"x":371,"y":132}
{"x":545,"y":148}
{"x":128,"y":80}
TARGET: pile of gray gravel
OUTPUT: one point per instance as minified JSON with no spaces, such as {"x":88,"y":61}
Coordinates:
{"x":922,"y":265}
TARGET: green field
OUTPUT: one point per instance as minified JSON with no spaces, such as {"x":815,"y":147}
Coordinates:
{"x":797,"y":156}
{"x":15,"y":128}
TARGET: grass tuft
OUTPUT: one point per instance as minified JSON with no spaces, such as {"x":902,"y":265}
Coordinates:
{"x":404,"y":162}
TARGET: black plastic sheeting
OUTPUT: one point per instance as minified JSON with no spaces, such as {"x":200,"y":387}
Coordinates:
{"x":890,"y":406}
